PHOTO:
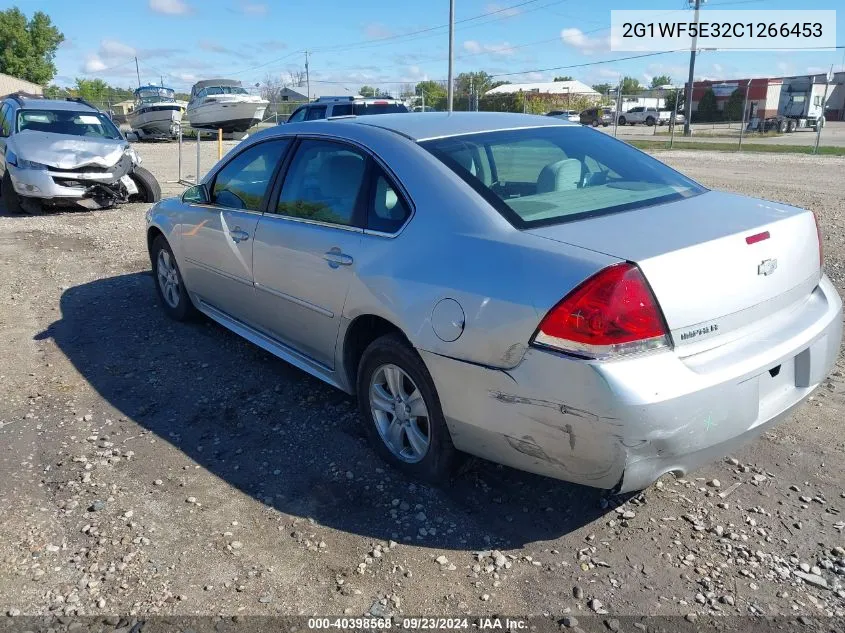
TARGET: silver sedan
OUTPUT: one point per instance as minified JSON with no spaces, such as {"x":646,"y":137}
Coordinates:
{"x":518,"y":288}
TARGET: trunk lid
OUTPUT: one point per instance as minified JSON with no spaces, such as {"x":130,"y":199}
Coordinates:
{"x":712,"y":285}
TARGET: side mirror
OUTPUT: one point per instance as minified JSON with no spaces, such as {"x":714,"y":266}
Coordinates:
{"x":198,"y":194}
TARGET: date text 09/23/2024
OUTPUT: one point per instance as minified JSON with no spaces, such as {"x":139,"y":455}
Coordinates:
{"x":420,"y":623}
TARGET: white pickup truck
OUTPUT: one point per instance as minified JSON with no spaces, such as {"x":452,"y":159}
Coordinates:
{"x":649,"y":116}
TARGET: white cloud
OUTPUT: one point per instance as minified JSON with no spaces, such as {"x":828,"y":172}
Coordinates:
{"x":586,"y":45}
{"x":477,"y":48}
{"x":188,"y":78}
{"x":273,"y":45}
{"x":214,"y":47}
{"x":254,"y":8}
{"x":115,"y":48}
{"x":170,"y":7}
{"x":376,"y":30}
{"x":93,"y":64}
{"x":502,"y":11}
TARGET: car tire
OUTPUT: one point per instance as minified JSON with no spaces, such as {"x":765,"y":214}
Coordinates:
{"x":622,"y":120}
{"x":170,"y":288}
{"x":148,"y":188}
{"x":595,"y":122}
{"x":649,"y":121}
{"x":11,"y":199}
{"x":391,"y":355}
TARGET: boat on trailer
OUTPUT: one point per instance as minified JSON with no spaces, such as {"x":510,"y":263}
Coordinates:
{"x":156,"y":113}
{"x":224,"y":104}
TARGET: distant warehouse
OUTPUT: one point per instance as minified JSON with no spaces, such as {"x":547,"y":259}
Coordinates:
{"x":9,"y":84}
{"x":572,"y":87}
{"x":764,"y":93}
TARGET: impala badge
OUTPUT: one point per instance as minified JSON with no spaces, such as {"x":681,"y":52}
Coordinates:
{"x":767,"y":267}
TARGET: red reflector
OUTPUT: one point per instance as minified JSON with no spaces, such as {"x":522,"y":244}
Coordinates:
{"x":753,"y":239}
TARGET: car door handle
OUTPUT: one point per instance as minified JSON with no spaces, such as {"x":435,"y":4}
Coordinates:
{"x":336,"y":258}
{"x":239,"y":236}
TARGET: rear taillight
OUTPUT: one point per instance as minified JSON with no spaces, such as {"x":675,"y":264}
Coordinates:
{"x":819,"y":234}
{"x":612,"y":313}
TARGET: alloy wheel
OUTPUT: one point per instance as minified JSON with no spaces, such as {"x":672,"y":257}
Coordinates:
{"x":400,"y":413}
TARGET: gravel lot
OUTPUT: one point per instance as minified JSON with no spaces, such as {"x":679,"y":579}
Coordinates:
{"x":154,"y":467}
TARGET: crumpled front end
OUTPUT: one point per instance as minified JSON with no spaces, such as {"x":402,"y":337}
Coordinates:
{"x":92,"y":186}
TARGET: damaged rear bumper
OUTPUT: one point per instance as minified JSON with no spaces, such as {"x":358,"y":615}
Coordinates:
{"x":625,"y":423}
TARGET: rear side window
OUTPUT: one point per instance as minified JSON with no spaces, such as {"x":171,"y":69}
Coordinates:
{"x":378,"y":108}
{"x":243,"y":182}
{"x":553,"y":174}
{"x":343,"y":109}
{"x":387,"y":210}
{"x":315,"y":113}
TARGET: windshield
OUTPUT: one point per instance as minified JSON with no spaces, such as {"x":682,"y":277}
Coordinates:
{"x":548,"y":175}
{"x":67,"y":122}
{"x":378,"y":108}
{"x":151,"y":95}
{"x":226,"y":90}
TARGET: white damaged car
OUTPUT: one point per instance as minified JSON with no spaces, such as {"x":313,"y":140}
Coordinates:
{"x":66,"y":153}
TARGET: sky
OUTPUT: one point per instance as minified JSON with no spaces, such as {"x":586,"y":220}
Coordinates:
{"x":387,"y":43}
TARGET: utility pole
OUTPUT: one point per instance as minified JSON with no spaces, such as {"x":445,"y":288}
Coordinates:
{"x":692,"y":54}
{"x":307,"y":77}
{"x":820,"y":121}
{"x":137,"y":72}
{"x":450,"y":89}
{"x":469,"y":104}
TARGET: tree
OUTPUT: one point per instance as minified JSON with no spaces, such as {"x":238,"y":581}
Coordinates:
{"x":660,"y":80}
{"x":367,"y":91}
{"x":603,"y":88}
{"x":675,"y":99}
{"x":707,"y":107}
{"x":28,"y":47}
{"x":297,"y":77}
{"x":271,"y":88}
{"x":92,"y":89}
{"x":431,"y":89}
{"x":733,"y":107}
{"x":563,"y":78}
{"x":631,"y":86}
{"x":478,"y":82}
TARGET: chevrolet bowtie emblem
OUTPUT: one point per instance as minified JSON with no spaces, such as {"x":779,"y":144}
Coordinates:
{"x":767,"y":267}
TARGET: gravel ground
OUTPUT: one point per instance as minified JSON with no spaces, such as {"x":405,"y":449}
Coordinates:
{"x":153,"y":467}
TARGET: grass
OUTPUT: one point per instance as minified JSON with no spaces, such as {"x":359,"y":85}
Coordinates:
{"x":733,"y":147}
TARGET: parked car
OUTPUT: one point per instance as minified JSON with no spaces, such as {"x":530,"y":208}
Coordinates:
{"x":649,"y":116}
{"x":66,"y":152}
{"x":566,"y":115}
{"x":596,"y":117}
{"x":679,"y":116}
{"x":515,"y":287}
{"x":329,"y":107}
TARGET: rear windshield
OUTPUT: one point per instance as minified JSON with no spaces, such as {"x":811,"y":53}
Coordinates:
{"x":67,"y":122}
{"x":547,"y":175}
{"x":378,"y":108}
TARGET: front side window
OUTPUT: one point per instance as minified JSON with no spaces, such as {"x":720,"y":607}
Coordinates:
{"x":243,"y":182}
{"x":387,"y":211}
{"x":5,"y":127}
{"x":323,"y":183}
{"x":94,"y":124}
{"x":299,"y":115}
{"x":315,"y":113}
{"x":548,"y":175}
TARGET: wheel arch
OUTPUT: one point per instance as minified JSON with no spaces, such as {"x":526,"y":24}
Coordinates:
{"x":361,"y":331}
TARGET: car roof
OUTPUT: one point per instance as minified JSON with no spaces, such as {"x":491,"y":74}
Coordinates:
{"x":54,"y":104}
{"x":420,"y":126}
